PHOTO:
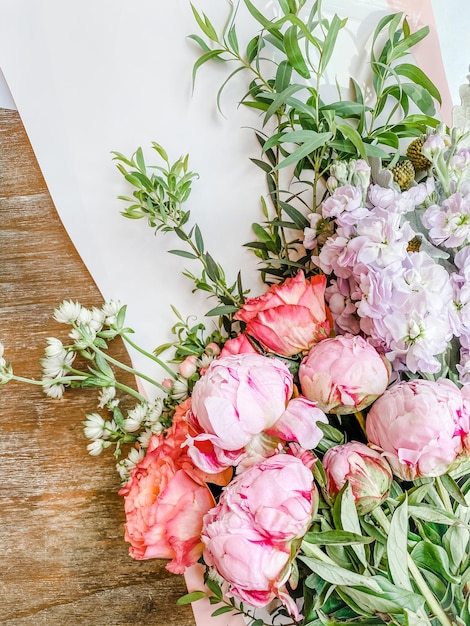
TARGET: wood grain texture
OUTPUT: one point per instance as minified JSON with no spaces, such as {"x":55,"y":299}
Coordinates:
{"x":63,"y":559}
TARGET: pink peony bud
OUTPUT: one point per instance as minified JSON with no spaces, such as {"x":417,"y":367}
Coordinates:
{"x":188,"y":367}
{"x":421,"y":427}
{"x":344,"y":374}
{"x":212,"y":349}
{"x":251,"y":535}
{"x":368,"y":474}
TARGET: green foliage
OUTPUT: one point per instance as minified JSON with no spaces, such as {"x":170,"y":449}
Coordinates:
{"x":303,"y":133}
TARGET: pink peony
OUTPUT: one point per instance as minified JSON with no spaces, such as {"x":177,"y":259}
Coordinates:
{"x":288,"y":318}
{"x":242,"y":411}
{"x":421,"y":427}
{"x":250,"y":537}
{"x":166,"y":499}
{"x":368,"y":474}
{"x":343,"y":374}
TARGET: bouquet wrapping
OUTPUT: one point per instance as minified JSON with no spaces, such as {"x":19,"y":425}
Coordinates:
{"x":308,"y":446}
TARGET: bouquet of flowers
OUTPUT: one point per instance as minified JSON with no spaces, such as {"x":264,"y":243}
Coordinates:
{"x":308,"y":445}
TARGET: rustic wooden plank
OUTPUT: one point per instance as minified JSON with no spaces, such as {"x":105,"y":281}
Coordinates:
{"x":62,"y":553}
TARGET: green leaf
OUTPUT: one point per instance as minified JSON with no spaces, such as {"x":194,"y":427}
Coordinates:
{"x":453,"y":489}
{"x":222,"y":610}
{"x":283,"y":76}
{"x":417,"y":75}
{"x":222,"y":310}
{"x":183,"y":253}
{"x":211,"y":268}
{"x":205,"y":24}
{"x":397,"y":550}
{"x":333,"y":537}
{"x":429,"y":513}
{"x":336,"y":575}
{"x":434,"y":558}
{"x":191,"y":597}
{"x":335,"y":26}
{"x":420,"y":97}
{"x":304,"y":150}
{"x":296,"y":216}
{"x":198,"y":239}
{"x":294,"y":53}
{"x":351,"y":133}
{"x":212,"y":54}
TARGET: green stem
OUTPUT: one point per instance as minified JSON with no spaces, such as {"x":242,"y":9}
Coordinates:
{"x":427,"y":594}
{"x":151,"y":356}
{"x":126,"y":368}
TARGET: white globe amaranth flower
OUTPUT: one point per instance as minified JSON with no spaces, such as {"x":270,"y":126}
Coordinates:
{"x":110,"y":309}
{"x":96,"y":447}
{"x":95,"y":426}
{"x":67,"y":312}
{"x":136,"y":417}
{"x":107,"y":397}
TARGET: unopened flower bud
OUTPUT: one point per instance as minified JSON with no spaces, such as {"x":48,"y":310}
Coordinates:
{"x":367,"y":472}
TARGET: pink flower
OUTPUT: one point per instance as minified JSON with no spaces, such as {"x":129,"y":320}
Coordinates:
{"x":343,"y":374}
{"x":288,"y":318}
{"x":368,"y":474}
{"x":238,"y":345}
{"x":188,"y":367}
{"x":421,"y":427}
{"x":250,"y":535}
{"x":165,"y":501}
{"x":242,"y":408}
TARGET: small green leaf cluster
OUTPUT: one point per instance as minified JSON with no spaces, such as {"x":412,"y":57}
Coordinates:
{"x":160,"y":197}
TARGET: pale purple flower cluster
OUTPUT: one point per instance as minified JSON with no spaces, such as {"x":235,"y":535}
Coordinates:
{"x":396,"y":294}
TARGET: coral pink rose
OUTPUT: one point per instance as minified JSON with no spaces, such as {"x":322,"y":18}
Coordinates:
{"x":288,"y":318}
{"x":165,"y":501}
{"x":343,"y":374}
{"x":367,"y":472}
{"x":242,"y":409}
{"x":251,"y":536}
{"x":421,"y":427}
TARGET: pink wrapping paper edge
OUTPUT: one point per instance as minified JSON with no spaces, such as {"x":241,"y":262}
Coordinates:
{"x":429,"y":59}
{"x":202,"y":609}
{"x":428,"y":51}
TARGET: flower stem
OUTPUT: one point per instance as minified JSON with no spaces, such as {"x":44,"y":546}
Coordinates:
{"x":162,"y":364}
{"x":361,"y":421}
{"x":126,"y":368}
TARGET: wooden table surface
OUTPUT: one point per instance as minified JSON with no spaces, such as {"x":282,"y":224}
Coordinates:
{"x":63,"y":559}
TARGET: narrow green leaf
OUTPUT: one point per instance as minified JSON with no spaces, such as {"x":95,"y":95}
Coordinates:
{"x":207,"y":56}
{"x":351,"y":133}
{"x":222,"y":610}
{"x":333,"y":537}
{"x":397,"y":550}
{"x":329,"y":44}
{"x":183,"y":253}
{"x":296,"y":216}
{"x":304,"y":150}
{"x":232,"y":39}
{"x":191,"y":597}
{"x":198,"y":239}
{"x":204,"y":24}
{"x":420,"y":97}
{"x":294,"y":53}
{"x":337,"y":575}
{"x":283,"y":76}
{"x":211,"y":268}
{"x":417,"y":75}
